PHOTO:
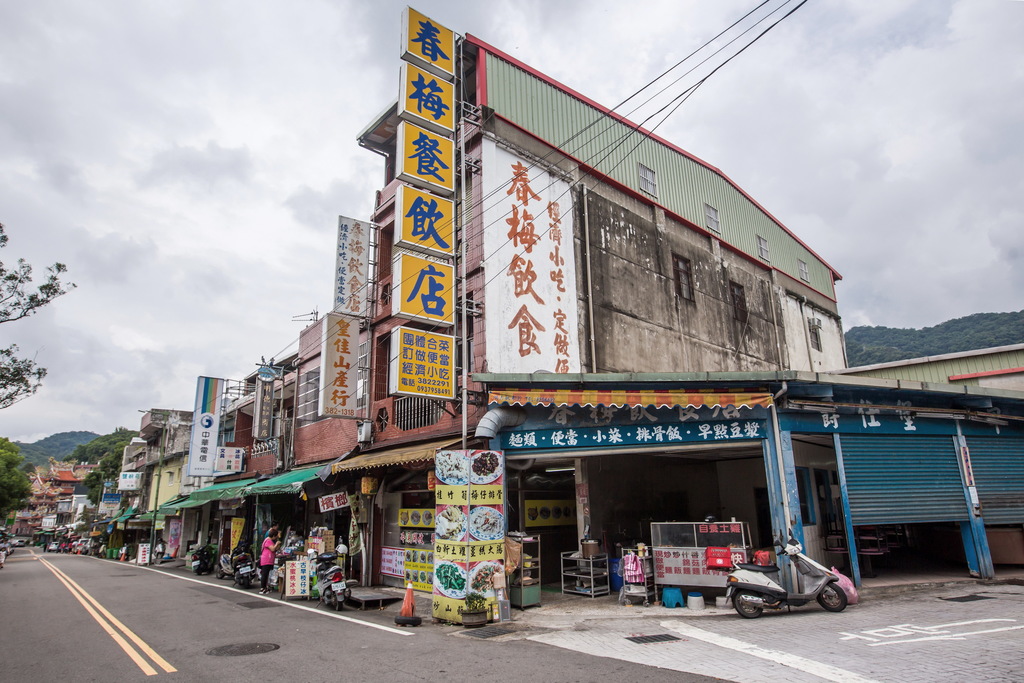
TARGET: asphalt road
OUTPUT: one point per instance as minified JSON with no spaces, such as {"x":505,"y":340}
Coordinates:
{"x":68,"y":617}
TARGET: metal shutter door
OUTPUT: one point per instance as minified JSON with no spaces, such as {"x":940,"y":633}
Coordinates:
{"x":998,"y":465}
{"x":903,"y":479}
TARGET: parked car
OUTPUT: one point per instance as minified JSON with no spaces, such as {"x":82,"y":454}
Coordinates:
{"x":53,"y":547}
{"x":18,"y":543}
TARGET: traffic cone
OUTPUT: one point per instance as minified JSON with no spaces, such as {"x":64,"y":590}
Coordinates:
{"x":408,"y":603}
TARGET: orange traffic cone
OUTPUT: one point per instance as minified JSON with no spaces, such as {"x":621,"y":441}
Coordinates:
{"x":407,"y":615}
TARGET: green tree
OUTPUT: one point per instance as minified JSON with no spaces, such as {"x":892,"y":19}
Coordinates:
{"x":108,"y":451}
{"x":14,"y":484}
{"x":21,"y":377}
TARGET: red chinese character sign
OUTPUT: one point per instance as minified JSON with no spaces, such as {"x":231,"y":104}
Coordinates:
{"x":532,"y":318}
{"x":469,"y":528}
{"x":339,"y":366}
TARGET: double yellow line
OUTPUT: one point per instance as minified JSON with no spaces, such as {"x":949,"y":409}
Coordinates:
{"x":108,"y":622}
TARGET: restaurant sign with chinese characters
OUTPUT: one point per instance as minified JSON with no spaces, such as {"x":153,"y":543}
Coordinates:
{"x":424,"y":222}
{"x":532,"y":321}
{"x":634,"y":435}
{"x":351,"y":266}
{"x":423,"y":289}
{"x":339,"y":369}
{"x":422,"y":363}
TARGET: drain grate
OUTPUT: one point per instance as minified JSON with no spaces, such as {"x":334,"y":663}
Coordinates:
{"x":968,"y":598}
{"x":488,"y":631}
{"x":656,"y":638}
{"x":258,"y":604}
{"x":240,"y":649}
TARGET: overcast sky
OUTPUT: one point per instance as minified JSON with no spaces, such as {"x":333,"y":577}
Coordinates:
{"x":187,"y":160}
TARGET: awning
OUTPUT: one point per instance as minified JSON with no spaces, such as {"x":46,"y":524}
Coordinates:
{"x":128,"y":514}
{"x":289,"y":482}
{"x":148,"y":517}
{"x":625,"y":398}
{"x":399,"y":455}
{"x":171,"y":506}
{"x":220,"y":491}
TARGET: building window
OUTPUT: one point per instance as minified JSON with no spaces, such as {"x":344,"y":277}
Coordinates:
{"x":309,"y":397}
{"x":814,"y":325}
{"x":805,"y":273}
{"x":648,"y":180}
{"x":683,"y":277}
{"x":711,"y":218}
{"x":762,"y":248}
{"x":169,"y":475}
{"x":363,"y":384}
{"x":739,"y":301}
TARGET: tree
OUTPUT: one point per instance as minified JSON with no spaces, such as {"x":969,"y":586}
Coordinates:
{"x":20,"y":377}
{"x":108,"y":451}
{"x":14,"y":484}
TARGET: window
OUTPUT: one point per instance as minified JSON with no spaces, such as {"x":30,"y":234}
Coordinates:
{"x":815,"y":338}
{"x":805,"y":273}
{"x":739,"y":301}
{"x":169,"y":478}
{"x":762,"y":248}
{"x":648,"y":180}
{"x":683,"y":277}
{"x":711,"y":218}
{"x":309,"y":397}
{"x":363,"y":384}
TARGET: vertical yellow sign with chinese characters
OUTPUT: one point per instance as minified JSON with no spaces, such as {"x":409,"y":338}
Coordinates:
{"x":426,"y":159}
{"x":423,"y":289}
{"x":422,"y":363}
{"x":426,"y":100}
{"x":424,"y":222}
{"x":428,"y":44}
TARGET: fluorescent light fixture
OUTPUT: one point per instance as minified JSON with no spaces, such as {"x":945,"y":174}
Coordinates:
{"x":559,"y":469}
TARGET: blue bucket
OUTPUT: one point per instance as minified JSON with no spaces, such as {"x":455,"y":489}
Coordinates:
{"x":616,"y":577}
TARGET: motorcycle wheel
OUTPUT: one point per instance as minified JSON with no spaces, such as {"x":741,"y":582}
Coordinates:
{"x":832,"y":598}
{"x":220,"y":573}
{"x":331,"y":600}
{"x":744,"y":610}
{"x":339,"y":600}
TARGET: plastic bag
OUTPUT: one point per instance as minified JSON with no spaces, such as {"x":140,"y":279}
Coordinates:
{"x":847,"y":585}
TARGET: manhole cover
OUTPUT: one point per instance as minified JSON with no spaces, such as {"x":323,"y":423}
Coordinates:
{"x":259,"y":604}
{"x":488,"y":631}
{"x":968,"y":598}
{"x":239,"y":649}
{"x":656,"y":638}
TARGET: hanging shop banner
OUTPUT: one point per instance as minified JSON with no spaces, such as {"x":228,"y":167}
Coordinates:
{"x":129,"y":481}
{"x":423,"y":289}
{"x":469,"y":538}
{"x":426,"y":159}
{"x":173,"y":536}
{"x":339,"y":366}
{"x":428,"y":44}
{"x":110,"y":504}
{"x":229,"y":460}
{"x":531,"y":257}
{"x":264,"y":412}
{"x":237,"y":527}
{"x":425,"y":222}
{"x":550,"y":513}
{"x":352,"y":266}
{"x":333,"y":501}
{"x":422,"y":364}
{"x":296,"y":579}
{"x":426,"y":100}
{"x":205,"y":427}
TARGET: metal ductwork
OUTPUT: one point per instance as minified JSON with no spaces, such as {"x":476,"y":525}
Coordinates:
{"x":497,"y":419}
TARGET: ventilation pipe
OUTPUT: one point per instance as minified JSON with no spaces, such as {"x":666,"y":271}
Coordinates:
{"x":497,"y":419}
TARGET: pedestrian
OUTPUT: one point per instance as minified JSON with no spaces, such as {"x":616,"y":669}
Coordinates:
{"x":271,"y":545}
{"x":4,"y":548}
{"x":273,"y":527}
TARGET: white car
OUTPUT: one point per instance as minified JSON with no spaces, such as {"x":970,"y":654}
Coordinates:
{"x":53,"y":547}
{"x":18,"y":543}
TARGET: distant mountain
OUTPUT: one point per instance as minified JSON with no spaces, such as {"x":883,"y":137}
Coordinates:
{"x":870,"y":345}
{"x":57,"y":446}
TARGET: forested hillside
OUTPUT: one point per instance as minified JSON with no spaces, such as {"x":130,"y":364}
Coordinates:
{"x":57,"y":446}
{"x":870,"y":345}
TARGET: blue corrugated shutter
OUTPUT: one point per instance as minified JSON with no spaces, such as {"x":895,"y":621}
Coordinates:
{"x":903,"y":479}
{"x":998,"y":465}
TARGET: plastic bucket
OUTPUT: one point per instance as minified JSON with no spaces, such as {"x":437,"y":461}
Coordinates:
{"x":695,"y":601}
{"x":590,"y":547}
{"x":616,"y":577}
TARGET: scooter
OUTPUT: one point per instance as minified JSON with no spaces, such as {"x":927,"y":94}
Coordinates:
{"x":335,"y":589}
{"x":237,"y":564}
{"x":753,"y":588}
{"x":202,"y":559}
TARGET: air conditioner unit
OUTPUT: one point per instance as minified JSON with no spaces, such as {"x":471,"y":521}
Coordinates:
{"x":365,"y":432}
{"x":814,"y":323}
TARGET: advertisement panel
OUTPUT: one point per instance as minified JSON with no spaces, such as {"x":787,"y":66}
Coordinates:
{"x":110,"y":504}
{"x":424,"y":222}
{"x":428,"y":44}
{"x":529,"y":243}
{"x":426,"y":159}
{"x":264,"y":409}
{"x":352,"y":266}
{"x":339,"y":369}
{"x":422,"y":363}
{"x":423,"y":289}
{"x":426,"y":100}
{"x":129,"y":481}
{"x":229,"y":460}
{"x":205,"y":427}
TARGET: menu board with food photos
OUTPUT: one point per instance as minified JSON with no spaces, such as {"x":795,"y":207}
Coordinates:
{"x":550,"y":513}
{"x":469,"y":528}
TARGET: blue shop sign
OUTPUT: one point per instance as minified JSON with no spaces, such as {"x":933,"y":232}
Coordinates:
{"x":633,"y":435}
{"x":870,"y":422}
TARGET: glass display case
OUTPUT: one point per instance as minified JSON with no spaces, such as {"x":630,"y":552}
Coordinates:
{"x":680,"y":551}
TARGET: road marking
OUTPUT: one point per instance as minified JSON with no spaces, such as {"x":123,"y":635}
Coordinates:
{"x":314,"y":610}
{"x":108,"y":625}
{"x":825,"y":671}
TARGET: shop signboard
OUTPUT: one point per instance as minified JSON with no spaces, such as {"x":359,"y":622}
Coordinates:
{"x":550,"y":513}
{"x":296,"y":579}
{"x":205,"y":427}
{"x":229,"y":460}
{"x":264,"y":409}
{"x":422,"y":364}
{"x":680,"y":551}
{"x":237,"y":526}
{"x":333,"y":501}
{"x":650,"y":434}
{"x":392,"y":561}
{"x":173,"y":536}
{"x":532,"y":321}
{"x":469,"y":525}
{"x":426,"y":159}
{"x":423,"y":289}
{"x":416,"y":517}
{"x":143,"y":556}
{"x":129,"y":481}
{"x":426,"y":100}
{"x":428,"y":44}
{"x":352,"y":266}
{"x":110,"y":503}
{"x":418,"y":567}
{"x":339,"y":369}
{"x":425,"y":222}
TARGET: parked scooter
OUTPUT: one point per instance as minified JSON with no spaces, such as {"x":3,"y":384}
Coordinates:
{"x":237,"y":564}
{"x":202,"y":559}
{"x":754,"y":587}
{"x":334,"y":588}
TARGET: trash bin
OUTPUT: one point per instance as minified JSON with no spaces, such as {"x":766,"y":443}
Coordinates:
{"x":616,"y":576}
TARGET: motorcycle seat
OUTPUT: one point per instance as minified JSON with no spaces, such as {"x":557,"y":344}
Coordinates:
{"x":327,"y":557}
{"x":763,"y":568}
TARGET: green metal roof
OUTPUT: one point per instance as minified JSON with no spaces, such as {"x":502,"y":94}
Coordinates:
{"x":289,"y":482}
{"x":220,"y":491}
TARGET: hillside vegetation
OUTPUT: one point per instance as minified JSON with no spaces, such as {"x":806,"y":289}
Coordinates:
{"x":870,"y":345}
{"x":57,"y":446}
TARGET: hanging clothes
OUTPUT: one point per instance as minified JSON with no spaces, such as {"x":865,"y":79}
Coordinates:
{"x":632,"y":569}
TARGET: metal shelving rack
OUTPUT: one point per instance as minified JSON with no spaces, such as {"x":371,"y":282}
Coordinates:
{"x":585,"y":575}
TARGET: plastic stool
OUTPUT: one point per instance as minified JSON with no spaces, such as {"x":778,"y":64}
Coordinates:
{"x":672,"y":597}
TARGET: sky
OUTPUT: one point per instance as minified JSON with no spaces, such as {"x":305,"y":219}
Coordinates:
{"x":188,"y":160}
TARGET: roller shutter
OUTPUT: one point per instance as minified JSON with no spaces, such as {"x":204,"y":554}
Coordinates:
{"x":998,"y":465}
{"x":903,"y":479}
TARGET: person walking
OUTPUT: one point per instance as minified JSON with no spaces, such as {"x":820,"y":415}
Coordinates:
{"x":268,"y":553}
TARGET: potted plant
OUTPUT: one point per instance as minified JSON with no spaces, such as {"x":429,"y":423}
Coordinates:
{"x":475,"y":612}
